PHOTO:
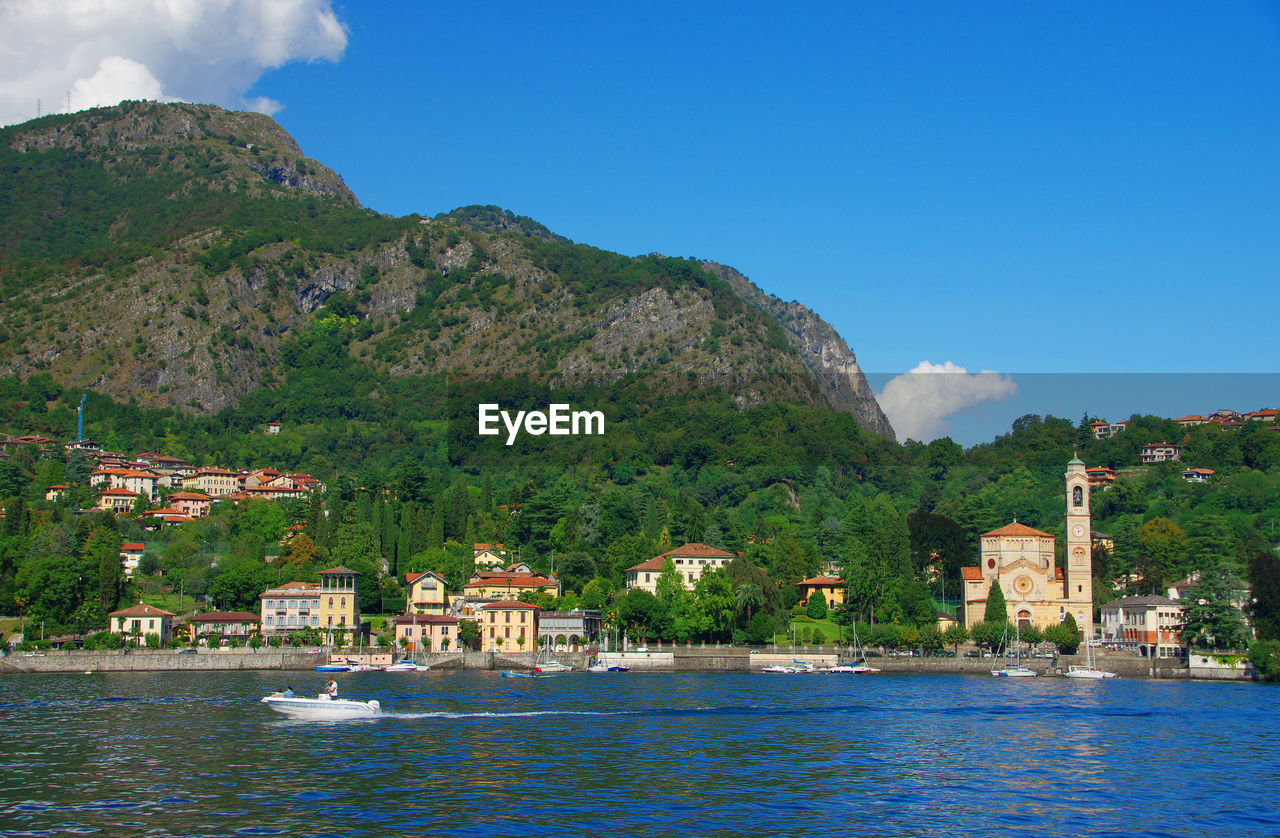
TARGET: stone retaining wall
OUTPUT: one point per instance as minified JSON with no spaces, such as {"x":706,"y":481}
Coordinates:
{"x":666,"y":659}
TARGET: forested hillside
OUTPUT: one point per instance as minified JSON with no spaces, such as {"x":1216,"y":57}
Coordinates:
{"x":183,"y":256}
{"x":192,"y":277}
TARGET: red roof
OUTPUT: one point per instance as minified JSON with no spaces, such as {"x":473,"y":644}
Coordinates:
{"x":141,"y":610}
{"x":650,"y":564}
{"x":822,"y":581}
{"x":426,"y":619}
{"x":132,"y":547}
{"x":509,"y":605}
{"x":1016,"y":529}
{"x":970,"y":574}
{"x":698,"y":551}
{"x":225,"y":617}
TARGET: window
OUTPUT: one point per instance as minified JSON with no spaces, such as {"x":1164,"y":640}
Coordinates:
{"x":330,"y":602}
{"x":1077,"y":496}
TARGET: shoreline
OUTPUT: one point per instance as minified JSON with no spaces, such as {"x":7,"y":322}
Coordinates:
{"x":669,"y":659}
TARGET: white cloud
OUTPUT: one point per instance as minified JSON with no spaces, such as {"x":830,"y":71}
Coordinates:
{"x":99,"y":52}
{"x":918,"y":402}
{"x":117,"y":78}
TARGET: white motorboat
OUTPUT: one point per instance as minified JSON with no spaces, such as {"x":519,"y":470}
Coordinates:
{"x":1088,"y":672}
{"x":853,"y":669}
{"x":1014,"y":671}
{"x":407,"y":665}
{"x":322,"y":707}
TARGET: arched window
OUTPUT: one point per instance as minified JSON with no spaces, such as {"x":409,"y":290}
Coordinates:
{"x":1077,"y":496}
{"x":330,"y":602}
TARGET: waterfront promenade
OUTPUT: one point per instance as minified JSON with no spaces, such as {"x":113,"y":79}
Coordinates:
{"x":668,"y":658}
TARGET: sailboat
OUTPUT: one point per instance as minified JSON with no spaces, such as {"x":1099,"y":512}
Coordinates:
{"x":544,"y":664}
{"x":1015,"y":669}
{"x":1089,"y":669}
{"x":859,"y":665}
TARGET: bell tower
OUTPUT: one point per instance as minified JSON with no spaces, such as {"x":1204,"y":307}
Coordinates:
{"x":1078,"y":578}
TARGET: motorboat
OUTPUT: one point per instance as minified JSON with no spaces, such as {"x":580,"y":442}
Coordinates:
{"x":601,"y":666}
{"x":407,"y":665}
{"x":853,"y":669}
{"x":322,"y":707}
{"x":336,"y":666}
{"x":1088,"y":672}
{"x":1014,"y":671}
{"x":796,"y":668}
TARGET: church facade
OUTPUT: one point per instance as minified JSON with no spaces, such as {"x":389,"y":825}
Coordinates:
{"x":1021,"y":558}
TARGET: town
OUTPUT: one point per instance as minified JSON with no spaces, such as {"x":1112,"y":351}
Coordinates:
{"x":482,"y":596}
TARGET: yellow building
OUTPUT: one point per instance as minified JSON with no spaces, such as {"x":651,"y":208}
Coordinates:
{"x":1021,"y":559}
{"x":137,"y":621}
{"x":831,"y":588}
{"x":503,"y":584}
{"x":509,"y":625}
{"x":339,"y":604}
{"x":427,"y":594}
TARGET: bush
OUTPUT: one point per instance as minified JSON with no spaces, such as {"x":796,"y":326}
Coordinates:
{"x":1265,"y":657}
{"x":817,"y":607}
{"x":103,"y":640}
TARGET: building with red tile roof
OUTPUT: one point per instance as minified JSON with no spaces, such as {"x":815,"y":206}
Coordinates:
{"x":509,"y":625}
{"x":689,"y":560}
{"x":138,"y":621}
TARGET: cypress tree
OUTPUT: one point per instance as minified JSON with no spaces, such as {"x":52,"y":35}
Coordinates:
{"x":997,"y":611}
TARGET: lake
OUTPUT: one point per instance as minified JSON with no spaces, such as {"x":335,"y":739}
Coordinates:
{"x":652,"y":754}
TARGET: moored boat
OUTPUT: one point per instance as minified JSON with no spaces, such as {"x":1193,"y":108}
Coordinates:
{"x":407,"y":665}
{"x":859,"y":668}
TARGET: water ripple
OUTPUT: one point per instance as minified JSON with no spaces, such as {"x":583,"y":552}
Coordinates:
{"x":469,"y":754}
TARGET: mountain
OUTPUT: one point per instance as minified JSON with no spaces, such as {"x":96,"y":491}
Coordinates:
{"x":178,"y":255}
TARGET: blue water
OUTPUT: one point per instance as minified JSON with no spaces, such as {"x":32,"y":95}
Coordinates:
{"x":472,"y":753}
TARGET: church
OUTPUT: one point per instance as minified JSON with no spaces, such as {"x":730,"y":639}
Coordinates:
{"x":1036,"y":591}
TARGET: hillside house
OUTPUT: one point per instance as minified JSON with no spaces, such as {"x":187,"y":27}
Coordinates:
{"x":138,"y":621}
{"x":690,"y":561}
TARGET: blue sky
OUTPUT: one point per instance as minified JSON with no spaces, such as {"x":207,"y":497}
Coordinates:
{"x":1069,"y":188}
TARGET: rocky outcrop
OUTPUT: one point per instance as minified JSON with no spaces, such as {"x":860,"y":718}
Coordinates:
{"x":824,"y":353}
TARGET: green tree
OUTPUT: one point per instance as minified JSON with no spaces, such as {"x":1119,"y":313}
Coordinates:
{"x":103,"y":553}
{"x":468,"y":634}
{"x":1210,"y":619}
{"x":712,"y":610}
{"x":1264,"y":580}
{"x":1265,"y":657}
{"x":817,"y":606}
{"x":1065,"y":635}
{"x":748,"y":596}
{"x":1160,"y":545}
{"x":638,"y":612}
{"x":997,"y":611}
{"x":955,"y":635}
